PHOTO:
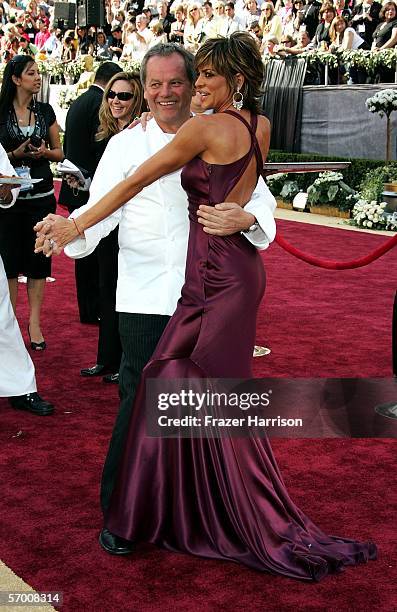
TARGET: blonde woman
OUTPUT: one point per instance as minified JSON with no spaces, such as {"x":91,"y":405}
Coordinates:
{"x":194,"y":33}
{"x":269,"y":22}
{"x":122,"y":101}
{"x":343,"y":37}
{"x":220,"y":16}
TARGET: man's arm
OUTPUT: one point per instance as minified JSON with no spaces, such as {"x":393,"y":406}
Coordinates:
{"x":229,"y":218}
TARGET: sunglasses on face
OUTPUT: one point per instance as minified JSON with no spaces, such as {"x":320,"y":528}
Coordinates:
{"x":123,"y":96}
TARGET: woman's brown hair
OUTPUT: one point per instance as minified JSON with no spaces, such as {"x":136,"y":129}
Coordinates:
{"x":237,"y":54}
{"x":332,"y":29}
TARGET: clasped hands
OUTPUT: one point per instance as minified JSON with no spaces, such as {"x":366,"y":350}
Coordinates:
{"x":54,"y":232}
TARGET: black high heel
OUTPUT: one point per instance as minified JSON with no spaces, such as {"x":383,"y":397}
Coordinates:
{"x":36,"y":346}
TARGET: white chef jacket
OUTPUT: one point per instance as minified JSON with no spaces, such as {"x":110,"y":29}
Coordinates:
{"x":16,"y":368}
{"x":153,"y":226}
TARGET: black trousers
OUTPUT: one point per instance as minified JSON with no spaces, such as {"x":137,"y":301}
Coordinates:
{"x":139,"y":335}
{"x":87,"y":287}
{"x":109,"y":347}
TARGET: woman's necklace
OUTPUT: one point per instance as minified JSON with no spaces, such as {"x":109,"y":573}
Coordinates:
{"x":23,"y":117}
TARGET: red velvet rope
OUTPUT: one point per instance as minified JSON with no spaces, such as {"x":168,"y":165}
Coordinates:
{"x":337,"y":265}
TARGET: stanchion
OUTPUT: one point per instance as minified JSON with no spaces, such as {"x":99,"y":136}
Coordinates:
{"x":390,"y":409}
{"x":326,"y":74}
{"x":394,"y":336}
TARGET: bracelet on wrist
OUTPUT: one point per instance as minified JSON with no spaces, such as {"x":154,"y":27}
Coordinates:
{"x":77,"y":227}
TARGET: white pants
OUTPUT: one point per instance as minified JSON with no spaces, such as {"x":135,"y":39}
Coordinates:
{"x":16,"y":367}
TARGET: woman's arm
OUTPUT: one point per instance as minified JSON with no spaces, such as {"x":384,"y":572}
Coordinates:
{"x":55,"y":152}
{"x":191,"y":140}
{"x":389,"y":44}
{"x":347,"y":40}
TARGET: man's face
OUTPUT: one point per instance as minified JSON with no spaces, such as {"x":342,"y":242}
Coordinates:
{"x":162,"y":10}
{"x":229,"y":11}
{"x":207,"y":10}
{"x":168,"y":91}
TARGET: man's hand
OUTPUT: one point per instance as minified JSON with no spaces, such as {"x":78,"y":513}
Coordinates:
{"x":54,"y":232}
{"x":224,"y":219}
{"x":5,"y":192}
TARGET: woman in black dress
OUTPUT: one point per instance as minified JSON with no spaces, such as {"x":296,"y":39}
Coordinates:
{"x":30,"y":135}
{"x":322,"y":38}
{"x":385,"y":35}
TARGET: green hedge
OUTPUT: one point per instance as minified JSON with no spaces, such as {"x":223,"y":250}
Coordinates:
{"x":353,"y":175}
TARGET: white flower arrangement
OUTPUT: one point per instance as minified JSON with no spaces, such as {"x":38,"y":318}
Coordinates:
{"x":372,"y":215}
{"x":383,"y":102}
{"x":328,"y":178}
{"x":328,"y":188}
{"x":68,"y":95}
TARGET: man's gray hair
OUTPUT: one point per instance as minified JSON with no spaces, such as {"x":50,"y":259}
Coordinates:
{"x":165,"y":50}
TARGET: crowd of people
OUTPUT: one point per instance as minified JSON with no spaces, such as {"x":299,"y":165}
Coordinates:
{"x":280,"y":29}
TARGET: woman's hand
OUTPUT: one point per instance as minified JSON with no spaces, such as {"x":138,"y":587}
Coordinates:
{"x":5,"y":192}
{"x":20,"y":152}
{"x":73,"y":182}
{"x":54,"y":232}
{"x":37,"y":152}
{"x":143,"y":120}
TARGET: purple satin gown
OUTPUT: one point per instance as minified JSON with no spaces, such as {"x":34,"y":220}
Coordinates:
{"x":222,"y":498}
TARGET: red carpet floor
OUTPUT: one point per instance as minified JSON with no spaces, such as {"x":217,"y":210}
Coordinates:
{"x":317,"y":323}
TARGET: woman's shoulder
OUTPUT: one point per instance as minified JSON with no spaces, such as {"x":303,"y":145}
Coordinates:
{"x":45,"y":110}
{"x":44,"y":107}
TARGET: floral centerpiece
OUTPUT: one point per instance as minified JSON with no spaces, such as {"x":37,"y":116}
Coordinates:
{"x":329,"y":188}
{"x":67,"y":95}
{"x":74,"y":69}
{"x":372,"y":215}
{"x":384,"y":103}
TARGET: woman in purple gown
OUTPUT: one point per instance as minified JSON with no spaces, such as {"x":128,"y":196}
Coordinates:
{"x":222,"y":498}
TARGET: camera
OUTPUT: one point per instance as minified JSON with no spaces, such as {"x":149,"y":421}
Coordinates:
{"x":35,"y":141}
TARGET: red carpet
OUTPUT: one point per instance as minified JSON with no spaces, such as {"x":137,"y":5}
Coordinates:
{"x":317,"y":323}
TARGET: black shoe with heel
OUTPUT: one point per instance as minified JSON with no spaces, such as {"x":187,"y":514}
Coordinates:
{"x":36,"y":346}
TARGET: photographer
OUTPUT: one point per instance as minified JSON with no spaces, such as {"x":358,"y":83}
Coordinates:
{"x":30,"y":135}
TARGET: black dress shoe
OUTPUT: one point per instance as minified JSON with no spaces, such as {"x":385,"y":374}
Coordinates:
{"x":111,"y":378}
{"x":96,"y":370}
{"x":32,"y":402}
{"x":113,"y":544}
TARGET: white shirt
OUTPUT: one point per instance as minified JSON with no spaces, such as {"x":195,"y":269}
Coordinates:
{"x":228,"y":26}
{"x":357,"y":40}
{"x":153,"y":226}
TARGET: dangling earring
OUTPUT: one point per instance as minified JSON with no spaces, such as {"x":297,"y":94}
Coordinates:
{"x":238,"y":99}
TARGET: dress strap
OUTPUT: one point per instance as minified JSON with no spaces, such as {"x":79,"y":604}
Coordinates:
{"x":254,"y":141}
